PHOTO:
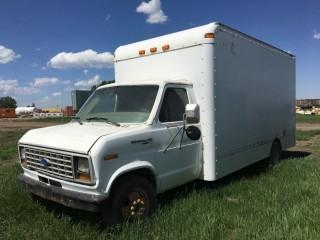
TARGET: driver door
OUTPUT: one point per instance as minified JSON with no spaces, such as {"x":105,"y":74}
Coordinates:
{"x":178,"y":157}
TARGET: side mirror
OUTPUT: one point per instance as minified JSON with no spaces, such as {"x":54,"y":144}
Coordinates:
{"x":193,"y":132}
{"x":192,"y":113}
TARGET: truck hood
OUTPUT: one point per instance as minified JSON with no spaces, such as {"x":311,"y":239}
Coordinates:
{"x":72,"y":136}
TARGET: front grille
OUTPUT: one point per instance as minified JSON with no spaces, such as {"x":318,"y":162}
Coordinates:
{"x":58,"y":164}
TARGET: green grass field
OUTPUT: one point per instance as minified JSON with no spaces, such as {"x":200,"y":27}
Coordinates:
{"x":255,"y":203}
{"x":306,"y":135}
{"x":8,"y":144}
{"x":307,"y":118}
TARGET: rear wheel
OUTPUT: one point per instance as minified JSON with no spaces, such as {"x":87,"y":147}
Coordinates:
{"x":275,"y":153}
{"x":133,"y":198}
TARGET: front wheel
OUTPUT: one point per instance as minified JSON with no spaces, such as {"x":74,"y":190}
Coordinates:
{"x":132,"y":198}
{"x":275,"y":153}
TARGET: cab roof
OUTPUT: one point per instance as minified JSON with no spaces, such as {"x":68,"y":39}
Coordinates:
{"x":159,"y":82}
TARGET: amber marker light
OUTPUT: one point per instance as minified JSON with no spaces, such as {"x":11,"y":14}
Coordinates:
{"x":166,"y":47}
{"x":153,"y":50}
{"x":209,"y":35}
{"x":84,"y":177}
{"x":142,"y":52}
{"x":110,"y":156}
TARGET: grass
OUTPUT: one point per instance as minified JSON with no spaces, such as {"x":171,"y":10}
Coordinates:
{"x":256,"y":203}
{"x":307,"y":118}
{"x":306,"y":135}
{"x":8,"y":144}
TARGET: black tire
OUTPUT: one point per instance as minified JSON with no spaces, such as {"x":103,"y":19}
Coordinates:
{"x":132,"y":198}
{"x":275,"y":153}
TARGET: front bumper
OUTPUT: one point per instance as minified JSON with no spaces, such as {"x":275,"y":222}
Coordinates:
{"x":67,"y":198}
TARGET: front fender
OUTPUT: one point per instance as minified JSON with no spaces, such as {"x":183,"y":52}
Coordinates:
{"x":129,"y":168}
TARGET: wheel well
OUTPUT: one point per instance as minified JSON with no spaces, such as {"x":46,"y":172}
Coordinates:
{"x":278,"y":141}
{"x":142,"y":172}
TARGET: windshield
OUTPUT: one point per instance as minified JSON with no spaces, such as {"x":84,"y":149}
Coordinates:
{"x":121,"y":104}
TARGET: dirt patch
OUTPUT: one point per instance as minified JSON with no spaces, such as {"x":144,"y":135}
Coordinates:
{"x":308,"y":126}
{"x":312,"y":146}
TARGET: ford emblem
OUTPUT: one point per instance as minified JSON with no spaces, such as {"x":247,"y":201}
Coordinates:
{"x":45,"y":162}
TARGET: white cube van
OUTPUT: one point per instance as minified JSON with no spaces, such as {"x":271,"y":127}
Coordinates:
{"x":196,"y":104}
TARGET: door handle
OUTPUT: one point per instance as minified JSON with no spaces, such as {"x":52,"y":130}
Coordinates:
{"x":142,"y":141}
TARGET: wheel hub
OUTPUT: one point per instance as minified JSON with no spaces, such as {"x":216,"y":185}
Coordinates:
{"x":135,"y":205}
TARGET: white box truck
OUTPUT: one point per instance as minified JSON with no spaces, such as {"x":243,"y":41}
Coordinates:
{"x":196,"y":104}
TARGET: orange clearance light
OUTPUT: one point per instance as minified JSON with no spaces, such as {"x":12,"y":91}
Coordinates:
{"x":209,"y":35}
{"x":165,"y":47}
{"x":142,"y":52}
{"x":153,"y":50}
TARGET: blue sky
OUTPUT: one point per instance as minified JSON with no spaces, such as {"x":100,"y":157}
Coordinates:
{"x":49,"y":47}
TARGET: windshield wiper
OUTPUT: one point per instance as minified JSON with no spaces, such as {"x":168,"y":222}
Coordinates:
{"x":104,"y":119}
{"x":77,"y":119}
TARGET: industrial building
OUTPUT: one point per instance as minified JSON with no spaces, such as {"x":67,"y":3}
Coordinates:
{"x":307,"y":103}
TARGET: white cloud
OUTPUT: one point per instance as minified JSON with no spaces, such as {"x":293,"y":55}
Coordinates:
{"x":7,"y":55}
{"x":316,"y":35}
{"x":55,"y":94}
{"x":68,"y":89}
{"x":85,"y":59}
{"x":86,"y":84}
{"x":26,"y":90}
{"x":153,"y":10}
{"x":85,"y":71}
{"x":7,"y":86}
{"x":107,"y":18}
{"x":45,"y":81}
{"x":66,"y":82}
{"x":11,"y":86}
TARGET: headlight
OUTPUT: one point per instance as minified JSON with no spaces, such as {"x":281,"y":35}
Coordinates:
{"x":83,"y":165}
{"x":82,"y":169}
{"x":22,"y":153}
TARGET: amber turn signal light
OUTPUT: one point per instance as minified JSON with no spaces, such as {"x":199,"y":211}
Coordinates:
{"x":84,"y":177}
{"x":209,"y":35}
{"x":110,"y":156}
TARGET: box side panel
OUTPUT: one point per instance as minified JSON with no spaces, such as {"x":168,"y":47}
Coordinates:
{"x":254,"y":100}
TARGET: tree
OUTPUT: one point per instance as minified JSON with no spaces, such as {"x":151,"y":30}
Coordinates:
{"x":104,"y":82}
{"x":93,"y":88}
{"x":8,"y":102}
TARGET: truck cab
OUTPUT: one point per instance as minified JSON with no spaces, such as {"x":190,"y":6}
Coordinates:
{"x":123,"y":130}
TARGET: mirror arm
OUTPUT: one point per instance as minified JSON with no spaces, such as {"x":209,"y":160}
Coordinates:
{"x":183,"y":129}
{"x":166,"y":149}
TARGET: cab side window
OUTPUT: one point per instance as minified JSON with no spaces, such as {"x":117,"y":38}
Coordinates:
{"x":173,"y":105}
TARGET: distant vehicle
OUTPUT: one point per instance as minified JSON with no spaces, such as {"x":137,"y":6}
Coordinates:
{"x":196,"y":104}
{"x":24,"y":110}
